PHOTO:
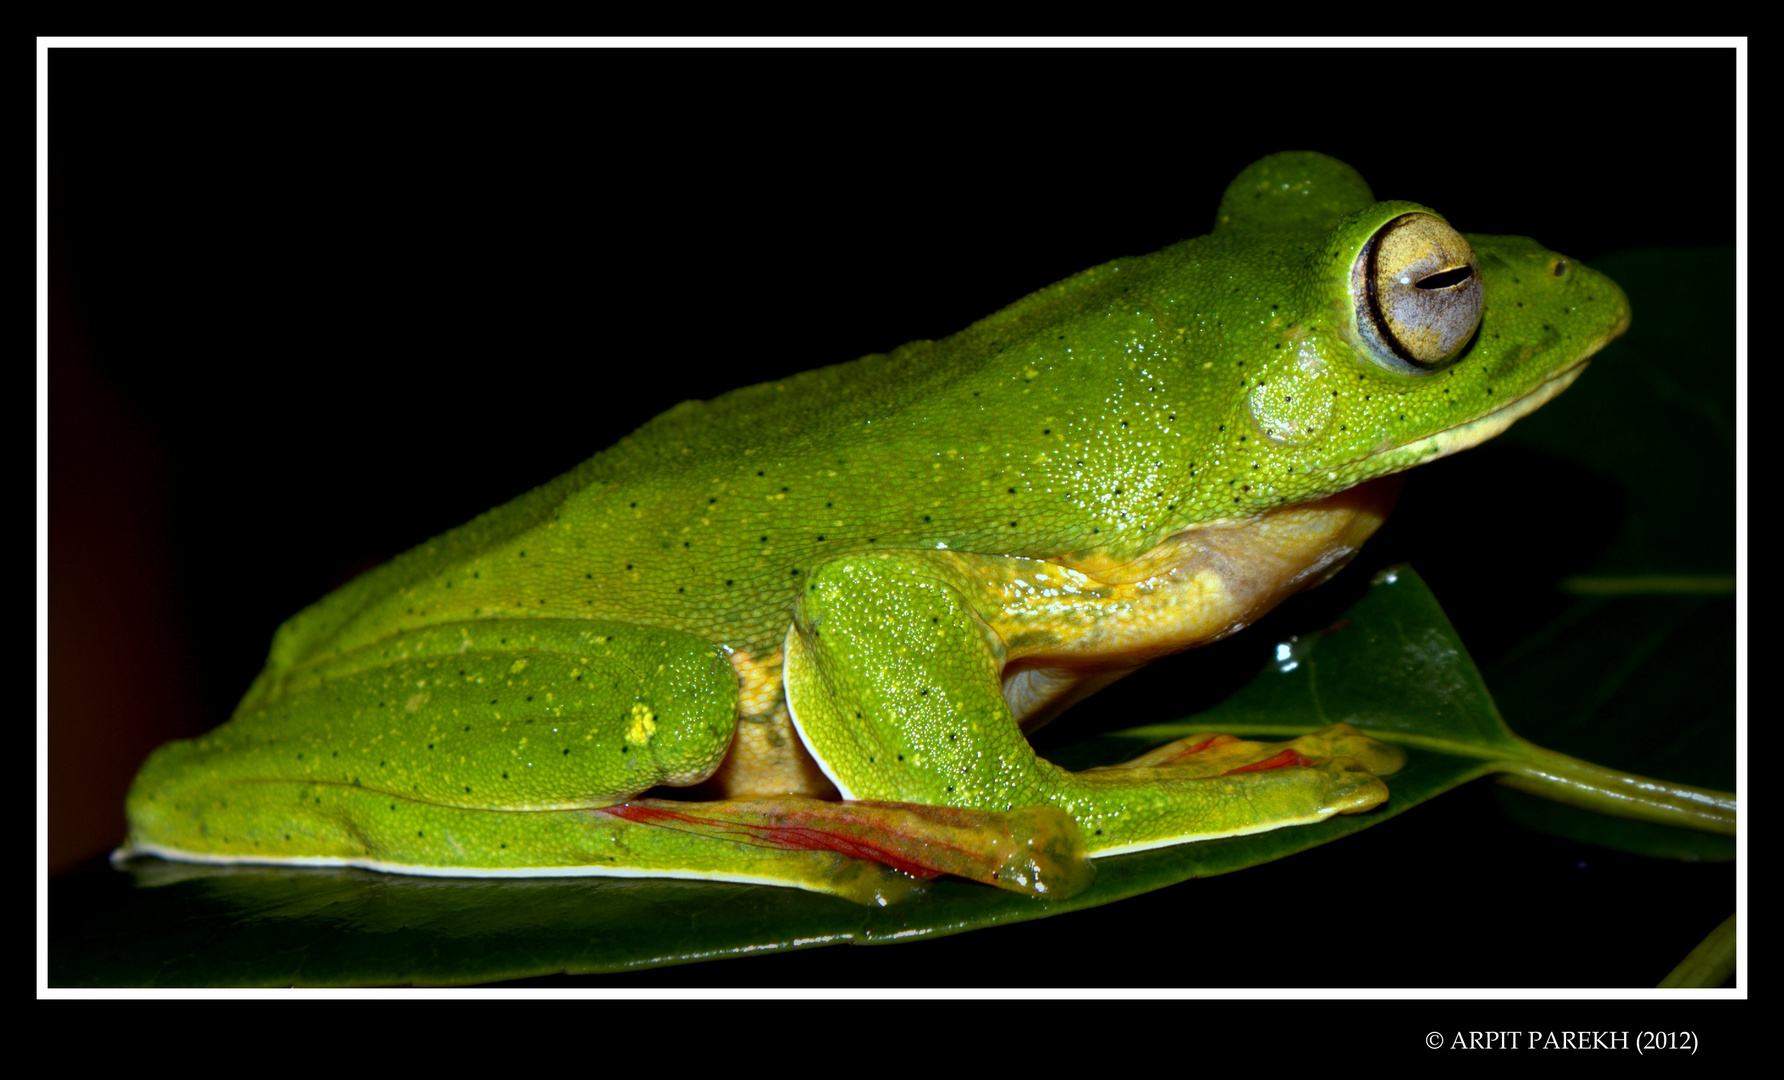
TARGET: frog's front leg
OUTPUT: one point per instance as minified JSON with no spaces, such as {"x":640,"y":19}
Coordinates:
{"x":894,"y":677}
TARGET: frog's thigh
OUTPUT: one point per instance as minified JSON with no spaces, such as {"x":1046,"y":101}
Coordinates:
{"x":458,"y":754}
{"x":894,"y":679}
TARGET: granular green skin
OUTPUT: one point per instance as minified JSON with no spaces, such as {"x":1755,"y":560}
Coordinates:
{"x":588,"y":640}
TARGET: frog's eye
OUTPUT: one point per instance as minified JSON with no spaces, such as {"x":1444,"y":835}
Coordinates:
{"x":1418,"y":294}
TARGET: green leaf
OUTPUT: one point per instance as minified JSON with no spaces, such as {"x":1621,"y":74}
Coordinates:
{"x":1630,"y":661}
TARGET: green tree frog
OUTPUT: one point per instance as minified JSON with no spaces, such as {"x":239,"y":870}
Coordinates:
{"x":798,"y":634}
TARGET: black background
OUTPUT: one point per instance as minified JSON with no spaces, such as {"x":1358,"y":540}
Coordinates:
{"x":311,"y":307}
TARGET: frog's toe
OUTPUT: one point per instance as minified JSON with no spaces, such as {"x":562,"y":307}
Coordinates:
{"x":1044,"y":854}
{"x":1352,"y":789}
{"x":1341,"y":741}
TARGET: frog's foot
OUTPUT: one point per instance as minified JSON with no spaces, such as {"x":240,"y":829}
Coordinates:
{"x":1209,"y":755}
{"x":1207,"y":786}
{"x":1036,"y":850}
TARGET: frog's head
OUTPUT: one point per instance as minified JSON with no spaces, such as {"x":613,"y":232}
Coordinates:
{"x":1413,"y":340}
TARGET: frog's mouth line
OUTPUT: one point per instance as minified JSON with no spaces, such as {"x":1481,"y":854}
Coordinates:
{"x":1481,"y":428}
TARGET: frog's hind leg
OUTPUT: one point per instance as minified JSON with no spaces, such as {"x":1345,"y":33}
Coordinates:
{"x":894,"y":677}
{"x":519,"y":748}
{"x":448,"y":752}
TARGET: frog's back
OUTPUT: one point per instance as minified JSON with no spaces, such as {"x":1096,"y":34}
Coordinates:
{"x":707,"y":517}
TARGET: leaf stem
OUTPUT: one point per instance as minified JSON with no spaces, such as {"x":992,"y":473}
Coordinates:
{"x":1580,"y":783}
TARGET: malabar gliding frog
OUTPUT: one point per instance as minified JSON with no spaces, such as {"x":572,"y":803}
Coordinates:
{"x":828,"y":608}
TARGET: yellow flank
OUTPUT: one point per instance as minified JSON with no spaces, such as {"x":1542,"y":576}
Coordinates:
{"x":758,"y":682}
{"x":1200,"y":584}
{"x":766,"y":756}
